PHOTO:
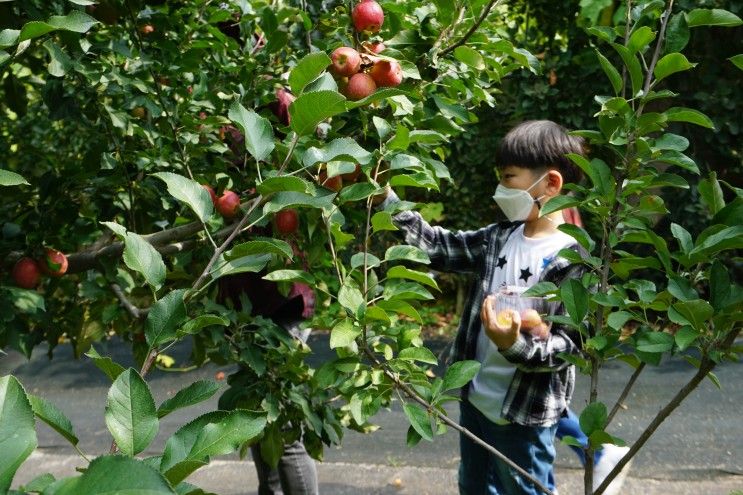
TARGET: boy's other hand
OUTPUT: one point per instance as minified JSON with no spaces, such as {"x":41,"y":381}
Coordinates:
{"x":503,"y":332}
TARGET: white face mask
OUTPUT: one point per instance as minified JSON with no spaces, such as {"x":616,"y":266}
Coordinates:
{"x":516,"y":204}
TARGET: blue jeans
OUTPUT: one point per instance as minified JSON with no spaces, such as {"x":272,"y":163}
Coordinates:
{"x":482,"y":473}
{"x":570,"y":425}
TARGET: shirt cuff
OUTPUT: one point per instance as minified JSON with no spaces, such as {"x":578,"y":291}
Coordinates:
{"x":517,"y":349}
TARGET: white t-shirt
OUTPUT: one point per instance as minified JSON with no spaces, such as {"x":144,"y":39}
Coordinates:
{"x":520,"y":263}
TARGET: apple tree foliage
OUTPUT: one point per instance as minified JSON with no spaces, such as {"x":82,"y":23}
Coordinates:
{"x":115,"y":113}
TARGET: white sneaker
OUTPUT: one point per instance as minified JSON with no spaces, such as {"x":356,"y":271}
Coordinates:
{"x":610,"y":457}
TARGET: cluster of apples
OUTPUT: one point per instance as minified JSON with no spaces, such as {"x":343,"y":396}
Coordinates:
{"x":360,"y":75}
{"x":531,"y":322}
{"x":27,"y":271}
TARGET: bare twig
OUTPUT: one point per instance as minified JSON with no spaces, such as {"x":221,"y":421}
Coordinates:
{"x":625,"y":392}
{"x":483,"y":15}
{"x":658,"y":46}
{"x":134,"y":311}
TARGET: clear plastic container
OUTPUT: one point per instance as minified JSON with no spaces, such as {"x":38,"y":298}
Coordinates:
{"x":532,"y":309}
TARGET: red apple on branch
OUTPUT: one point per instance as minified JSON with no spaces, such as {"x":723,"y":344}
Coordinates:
{"x":335,"y":183}
{"x":360,"y":86}
{"x":26,"y":273}
{"x":346,"y":62}
{"x":228,"y":204}
{"x":287,"y":221}
{"x":53,"y":263}
{"x":386,"y":73}
{"x":352,"y":176}
{"x":280,"y":107}
{"x":377,"y":47}
{"x":212,"y":194}
{"x":367,"y":16}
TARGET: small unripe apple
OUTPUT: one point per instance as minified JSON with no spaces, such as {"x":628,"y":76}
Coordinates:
{"x":367,"y":16}
{"x":228,"y":204}
{"x":26,"y":273}
{"x":139,"y":112}
{"x":360,"y":86}
{"x":386,"y":73}
{"x":54,"y":263}
{"x":530,"y":318}
{"x":346,"y":62}
{"x":287,"y":221}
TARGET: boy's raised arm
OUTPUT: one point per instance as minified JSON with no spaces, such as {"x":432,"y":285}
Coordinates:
{"x":449,"y":251}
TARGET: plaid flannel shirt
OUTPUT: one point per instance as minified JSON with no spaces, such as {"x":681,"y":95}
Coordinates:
{"x":543,"y":383}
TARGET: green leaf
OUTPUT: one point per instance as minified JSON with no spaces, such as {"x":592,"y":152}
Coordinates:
{"x":195,"y":393}
{"x":677,"y":33}
{"x":400,"y":307}
{"x":358,"y":259}
{"x":579,"y":234}
{"x":727,"y":238}
{"x":719,"y":286}
{"x":593,"y":418}
{"x":406,"y":273}
{"x":694,"y":313}
{"x":284,"y":183}
{"x":288,"y":199}
{"x":670,"y":64}
{"x":615,"y":78}
{"x":422,"y":354}
{"x":263,"y":245}
{"x":4,"y":57}
{"x":470,"y":56}
{"x":382,"y":220}
{"x":406,"y":253}
{"x":17,"y":432}
{"x":712,"y":17}
{"x":617,"y":319}
{"x":257,"y":130}
{"x":681,"y":289}
{"x":116,"y":474}
{"x":290,"y":276}
{"x":685,"y":336}
{"x":309,"y":109}
{"x":38,"y":484}
{"x":633,"y":66}
{"x":190,"y":192}
{"x":575,"y":298}
{"x":655,"y":342}
{"x":228,"y":434}
{"x":357,"y":192}
{"x":419,"y":420}
{"x":77,"y":21}
{"x":681,"y":114}
{"x":130,"y":413}
{"x":459,"y":374}
{"x":711,"y":193}
{"x":251,"y":263}
{"x":54,"y":417}
{"x":737,"y":60}
{"x":344,"y":333}
{"x":345,"y":149}
{"x":164,"y":318}
{"x":558,"y":203}
{"x":9,"y":37}
{"x":142,"y":257}
{"x":307,"y":70}
{"x":351,"y":298}
{"x":640,"y":39}
{"x":8,"y":178}
{"x":105,"y":364}
{"x":731,"y":214}
{"x":541,"y":289}
{"x":379,"y":94}
{"x":60,"y":63}
{"x":194,"y":326}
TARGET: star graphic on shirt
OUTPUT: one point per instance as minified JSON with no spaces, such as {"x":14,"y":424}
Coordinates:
{"x":546,"y":261}
{"x":525,"y":274}
{"x":501,"y":262}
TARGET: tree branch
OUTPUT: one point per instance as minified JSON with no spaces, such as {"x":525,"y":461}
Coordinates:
{"x":134,"y":311}
{"x":625,"y":392}
{"x":473,"y":28}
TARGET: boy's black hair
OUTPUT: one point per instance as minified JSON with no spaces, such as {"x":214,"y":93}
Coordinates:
{"x":540,"y":144}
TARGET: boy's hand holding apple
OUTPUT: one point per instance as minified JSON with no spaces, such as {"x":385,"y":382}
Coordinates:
{"x":502,"y":327}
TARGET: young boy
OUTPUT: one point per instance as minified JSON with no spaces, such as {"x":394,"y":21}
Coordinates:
{"x":523,"y":386}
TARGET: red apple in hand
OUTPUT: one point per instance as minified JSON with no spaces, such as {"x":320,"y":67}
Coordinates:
{"x":346,"y":61}
{"x":386,"y":73}
{"x":530,"y":318}
{"x":367,"y":16}
{"x":26,"y":273}
{"x":54,"y":263}
{"x":360,"y":86}
{"x":287,"y":221}
{"x":228,"y":204}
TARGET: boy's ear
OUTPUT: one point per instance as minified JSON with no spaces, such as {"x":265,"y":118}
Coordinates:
{"x":554,"y":182}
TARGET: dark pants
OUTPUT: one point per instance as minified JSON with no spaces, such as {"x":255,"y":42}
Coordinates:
{"x":296,"y":473}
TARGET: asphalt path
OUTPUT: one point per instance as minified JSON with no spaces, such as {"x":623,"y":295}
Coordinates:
{"x":701,"y":442}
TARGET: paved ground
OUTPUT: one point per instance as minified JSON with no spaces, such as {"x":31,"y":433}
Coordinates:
{"x":700,"y":451}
